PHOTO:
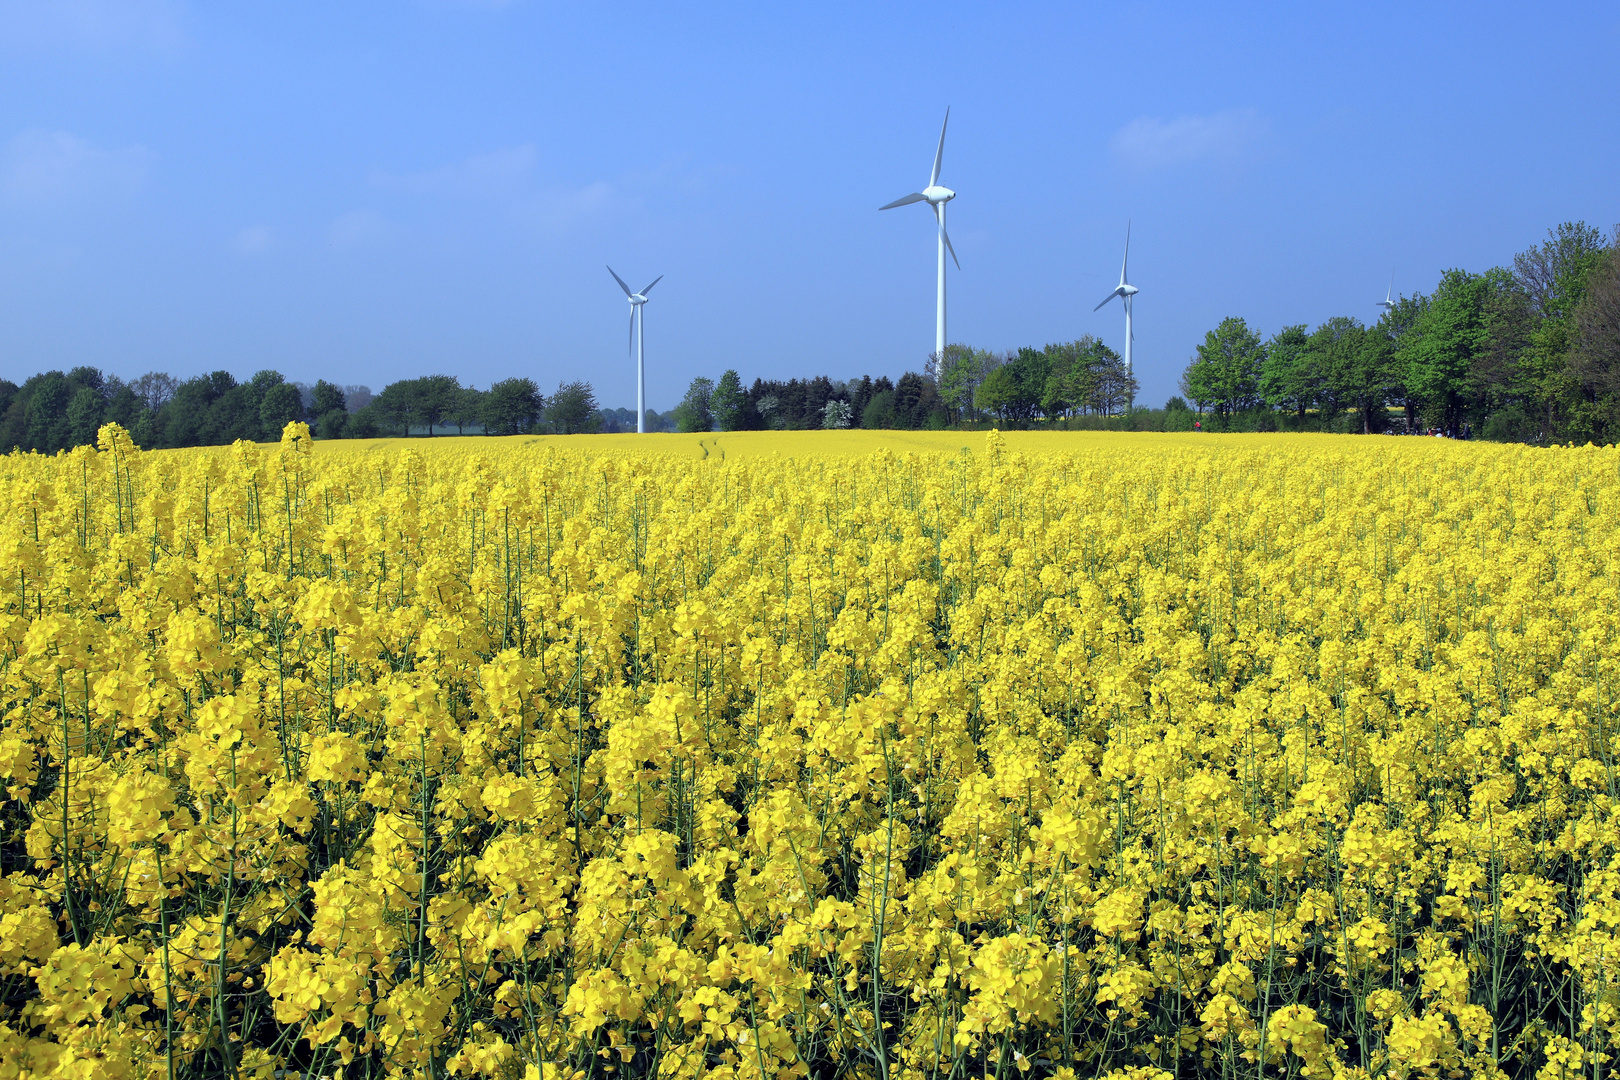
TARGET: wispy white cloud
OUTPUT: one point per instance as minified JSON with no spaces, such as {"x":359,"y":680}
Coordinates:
{"x":54,"y":169}
{"x":1151,"y":143}
{"x":556,"y":208}
{"x":254,"y":240}
{"x":510,"y":178}
{"x":356,"y":228}
{"x":493,"y":173}
{"x":93,"y":24}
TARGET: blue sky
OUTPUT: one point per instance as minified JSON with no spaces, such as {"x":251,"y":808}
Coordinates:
{"x":367,"y":191}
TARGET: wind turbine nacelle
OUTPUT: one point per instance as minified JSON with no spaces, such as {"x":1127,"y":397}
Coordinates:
{"x":936,"y":194}
{"x":1128,"y":290}
{"x":637,"y":300}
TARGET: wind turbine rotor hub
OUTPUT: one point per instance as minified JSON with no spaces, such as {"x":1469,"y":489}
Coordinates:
{"x":1128,"y":290}
{"x":936,"y":194}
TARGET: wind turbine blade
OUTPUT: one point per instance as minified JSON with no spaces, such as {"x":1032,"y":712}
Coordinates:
{"x":939,"y":155}
{"x":1125,"y":261}
{"x":656,"y":280}
{"x":632,"y":333}
{"x":915,"y":196}
{"x":620,"y":280}
{"x":947,"y":238}
{"x":1105,"y":300}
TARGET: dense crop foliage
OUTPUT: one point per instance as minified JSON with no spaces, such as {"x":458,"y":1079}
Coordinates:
{"x":1202,"y":758}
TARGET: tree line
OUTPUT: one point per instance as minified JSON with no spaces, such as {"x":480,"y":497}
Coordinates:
{"x":55,"y":410}
{"x":965,"y":385}
{"x":1528,"y":353}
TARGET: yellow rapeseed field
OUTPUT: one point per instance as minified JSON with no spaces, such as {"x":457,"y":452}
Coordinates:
{"x":884,"y":755}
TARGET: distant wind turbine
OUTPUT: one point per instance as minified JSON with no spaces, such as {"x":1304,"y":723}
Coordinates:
{"x":936,"y":197}
{"x":1387,"y":303}
{"x":638,"y":345}
{"x":1125,"y":291}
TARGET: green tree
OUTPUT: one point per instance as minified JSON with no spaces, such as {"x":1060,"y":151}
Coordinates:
{"x":46,"y":410}
{"x":1062,"y":360}
{"x":84,"y":416}
{"x":467,"y":409}
{"x":1016,"y":387}
{"x":1100,"y":383}
{"x":233,"y":415}
{"x":511,"y":406}
{"x":239,"y":415}
{"x":124,"y":405}
{"x":328,"y":410}
{"x":1113,"y":387}
{"x":957,"y":376}
{"x":1399,"y":325}
{"x":365,"y":422}
{"x":1225,"y":372}
{"x":1500,"y":380}
{"x":396,"y":407}
{"x":1080,"y":386}
{"x":998,"y":393}
{"x":1032,"y":367}
{"x":1439,"y":354}
{"x":334,"y":424}
{"x":878,"y":415}
{"x":1332,"y":364}
{"x":1283,"y":379}
{"x":189,"y":415}
{"x":915,"y":401}
{"x":435,"y":399}
{"x":730,"y":402}
{"x":572,"y":410}
{"x":325,"y":398}
{"x":1554,"y":273}
{"x":85,"y":376}
{"x":696,"y":410}
{"x":147,"y":431}
{"x":1554,"y":277}
{"x":279,"y":406}
{"x":1594,"y":370}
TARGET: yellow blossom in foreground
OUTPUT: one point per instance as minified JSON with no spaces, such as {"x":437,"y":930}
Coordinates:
{"x":902,"y":755}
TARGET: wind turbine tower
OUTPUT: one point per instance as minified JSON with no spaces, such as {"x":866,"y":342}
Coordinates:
{"x":936,"y":197}
{"x":638,"y":345}
{"x":1126,"y":292}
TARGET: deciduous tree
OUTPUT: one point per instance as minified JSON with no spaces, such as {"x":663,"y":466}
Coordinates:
{"x":511,"y":406}
{"x":1225,"y":372}
{"x":1284,"y":381}
{"x":696,"y":410}
{"x":730,"y":403}
{"x":572,"y":410}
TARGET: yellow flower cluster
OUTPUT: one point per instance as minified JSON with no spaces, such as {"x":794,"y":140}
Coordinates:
{"x":1128,"y":757}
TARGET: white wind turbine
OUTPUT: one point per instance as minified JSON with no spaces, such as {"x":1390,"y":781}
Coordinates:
{"x":1388,"y":303}
{"x":936,"y":197}
{"x":1125,"y":291}
{"x":638,"y":345}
